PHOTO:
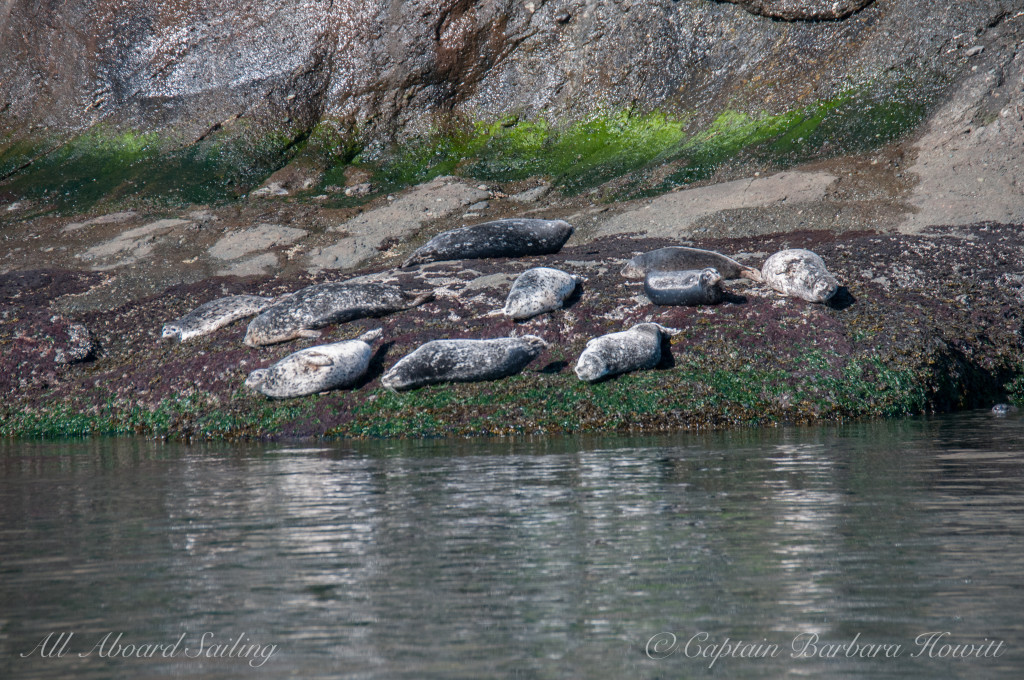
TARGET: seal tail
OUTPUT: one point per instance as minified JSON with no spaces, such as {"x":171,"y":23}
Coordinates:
{"x":421,"y":297}
{"x":495,"y":312}
{"x":370,"y":336}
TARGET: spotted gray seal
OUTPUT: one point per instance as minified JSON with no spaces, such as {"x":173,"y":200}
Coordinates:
{"x":515,"y":237}
{"x":799,"y":273}
{"x":315,"y":369}
{"x":207,"y":318}
{"x":463,"y":361}
{"x":539,"y":290}
{"x":684,"y":288}
{"x":681,"y":258}
{"x":298,"y":314}
{"x":631,"y":350}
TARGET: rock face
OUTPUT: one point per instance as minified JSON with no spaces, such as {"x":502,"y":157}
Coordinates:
{"x":389,"y":66}
{"x":803,"y":10}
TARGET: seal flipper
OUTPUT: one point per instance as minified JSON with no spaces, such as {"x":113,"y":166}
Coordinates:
{"x":752,"y":274}
{"x":316,"y":360}
{"x":370,"y":336}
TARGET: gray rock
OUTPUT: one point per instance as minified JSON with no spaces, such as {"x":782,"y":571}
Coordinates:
{"x":359,"y":190}
{"x":398,"y":219}
{"x":261,"y":237}
{"x":802,"y":10}
{"x":80,"y":346}
{"x":531,"y":195}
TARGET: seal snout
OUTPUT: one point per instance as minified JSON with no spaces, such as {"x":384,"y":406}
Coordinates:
{"x":170,"y":331}
{"x":590,"y":367}
{"x":825,"y":288}
{"x":256,"y":378}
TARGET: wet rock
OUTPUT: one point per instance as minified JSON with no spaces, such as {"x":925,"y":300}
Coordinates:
{"x":359,"y":190}
{"x":389,"y":68}
{"x":270,"y":189}
{"x":531,"y":195}
{"x":802,"y":10}
{"x":113,"y":218}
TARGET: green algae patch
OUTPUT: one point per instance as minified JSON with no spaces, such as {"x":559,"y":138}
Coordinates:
{"x":576,"y":156}
{"x":186,"y":417}
{"x":119,"y":167}
{"x":692,"y":395}
{"x":632,"y":147}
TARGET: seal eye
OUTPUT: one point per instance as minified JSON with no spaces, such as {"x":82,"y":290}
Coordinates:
{"x":256,"y":378}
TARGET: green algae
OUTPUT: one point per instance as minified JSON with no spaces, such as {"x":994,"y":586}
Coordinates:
{"x":179,"y":417}
{"x":118,"y":167}
{"x":640,"y":153}
{"x":576,"y":156}
{"x":623,"y":143}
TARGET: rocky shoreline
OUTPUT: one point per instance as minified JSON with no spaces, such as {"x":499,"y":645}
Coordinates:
{"x":929,"y":322}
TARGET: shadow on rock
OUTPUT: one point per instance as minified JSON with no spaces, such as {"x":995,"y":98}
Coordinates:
{"x":376,"y":367}
{"x":554,"y":367}
{"x":841,"y":300}
{"x":733,"y":298}
{"x":667,"y":360}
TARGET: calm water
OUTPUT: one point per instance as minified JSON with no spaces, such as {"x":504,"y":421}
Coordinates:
{"x":547,"y":558}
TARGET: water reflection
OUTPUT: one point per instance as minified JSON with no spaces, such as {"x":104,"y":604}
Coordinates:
{"x":543,"y":558}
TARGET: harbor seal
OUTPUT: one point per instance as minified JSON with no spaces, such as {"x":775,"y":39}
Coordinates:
{"x":215,"y":314}
{"x":463,"y":361}
{"x":799,"y":273}
{"x":635,"y":349}
{"x":515,"y":237}
{"x":681,"y":258}
{"x":539,"y":290}
{"x":684,"y":288}
{"x":298,"y":314}
{"x":315,"y":369}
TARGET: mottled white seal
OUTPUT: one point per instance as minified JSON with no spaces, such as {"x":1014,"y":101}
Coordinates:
{"x":298,"y":314}
{"x":215,"y":314}
{"x":463,"y":361}
{"x":315,"y":369}
{"x":635,"y":349}
{"x":539,"y":290}
{"x":515,"y":237}
{"x":681,"y":258}
{"x":799,"y":273}
{"x":684,"y":288}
